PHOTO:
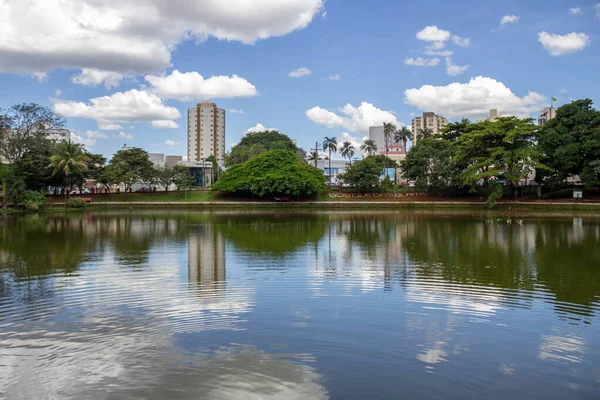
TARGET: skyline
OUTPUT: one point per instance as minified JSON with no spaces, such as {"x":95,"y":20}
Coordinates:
{"x":306,"y":67}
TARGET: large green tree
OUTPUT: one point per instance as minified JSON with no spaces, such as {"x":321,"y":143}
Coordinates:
{"x":430,"y":163}
{"x":571,"y":143}
{"x":347,"y":151}
{"x":128,"y":167}
{"x":68,"y":159}
{"x":276,"y":172}
{"x":257,"y":143}
{"x":366,"y":173}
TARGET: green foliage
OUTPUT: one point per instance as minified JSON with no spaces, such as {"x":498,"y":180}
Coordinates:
{"x":129,"y":167}
{"x":403,"y":135}
{"x":387,"y":184}
{"x":254,"y":144}
{"x":76,"y":203}
{"x":571,"y":143}
{"x":369,"y":146}
{"x":347,"y":150}
{"x":431,"y":164}
{"x":276,"y":172}
{"x":182,"y":177}
{"x":31,"y":201}
{"x":366,"y":173}
{"x":496,"y":193}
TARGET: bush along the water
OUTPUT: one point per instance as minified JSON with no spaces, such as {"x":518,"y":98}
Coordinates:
{"x":76,"y":203}
{"x":31,"y":201}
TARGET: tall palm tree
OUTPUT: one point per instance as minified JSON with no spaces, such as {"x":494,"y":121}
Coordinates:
{"x":313,"y":156}
{"x":388,"y":131}
{"x":68,"y":158}
{"x":369,"y":146}
{"x":425,"y":133}
{"x":347,"y":151}
{"x":403,"y":135}
{"x":330,"y":144}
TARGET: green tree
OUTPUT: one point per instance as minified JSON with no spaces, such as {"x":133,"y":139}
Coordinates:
{"x":166,"y":177}
{"x":314,"y":156}
{"x":389,"y":130}
{"x":9,"y":182}
{"x":454,"y":130}
{"x":347,"y":151}
{"x":276,"y":172}
{"x":425,"y":133}
{"x":369,"y":146}
{"x":403,"y":135}
{"x":366,"y":173}
{"x":430,"y":163}
{"x":68,"y":159}
{"x":257,"y":143}
{"x":129,"y":167}
{"x":24,"y":126}
{"x":182,"y":177}
{"x":330,"y":144}
{"x":571,"y":143}
{"x":215,"y":168}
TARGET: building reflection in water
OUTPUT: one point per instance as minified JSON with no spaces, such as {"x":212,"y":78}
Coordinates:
{"x":206,"y":258}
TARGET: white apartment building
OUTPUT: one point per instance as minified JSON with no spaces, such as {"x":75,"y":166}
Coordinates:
{"x":434,"y":123}
{"x":206,"y":132}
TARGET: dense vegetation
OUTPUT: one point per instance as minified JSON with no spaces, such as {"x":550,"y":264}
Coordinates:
{"x":254,"y":144}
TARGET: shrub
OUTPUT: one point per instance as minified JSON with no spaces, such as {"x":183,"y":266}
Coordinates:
{"x":31,"y":201}
{"x":76,"y":203}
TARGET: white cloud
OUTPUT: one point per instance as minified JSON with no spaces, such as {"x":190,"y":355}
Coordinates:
{"x":133,"y":36}
{"x":95,"y":77}
{"x":355,"y":119}
{"x":473,"y":99}
{"x":563,"y":90}
{"x":459,"y":41}
{"x":234,"y":111}
{"x":558,"y":45}
{"x":87,"y":142}
{"x":334,"y":77}
{"x":110,"y":127}
{"x":259,"y":128}
{"x":41,"y":77}
{"x":597,"y":8}
{"x":575,"y":11}
{"x":131,"y":106}
{"x":165,"y":124}
{"x":430,"y":51}
{"x":123,"y":135}
{"x":190,"y":86}
{"x":300,"y":72}
{"x":509,"y":19}
{"x":422,"y":62}
{"x":171,"y":143}
{"x":453,"y":69}
{"x":96,"y":134}
{"x":433,"y":34}
{"x":57,"y":92}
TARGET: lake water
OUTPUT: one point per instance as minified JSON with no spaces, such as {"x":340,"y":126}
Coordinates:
{"x":224,"y":305}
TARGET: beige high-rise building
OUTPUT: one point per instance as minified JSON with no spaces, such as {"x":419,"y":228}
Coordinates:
{"x":206,"y":132}
{"x":434,"y":123}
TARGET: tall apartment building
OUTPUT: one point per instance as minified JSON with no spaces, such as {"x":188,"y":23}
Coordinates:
{"x":546,"y":115}
{"x":206,"y":132}
{"x":434,"y":123}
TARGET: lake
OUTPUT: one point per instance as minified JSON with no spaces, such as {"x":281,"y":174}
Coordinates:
{"x":310,"y":305}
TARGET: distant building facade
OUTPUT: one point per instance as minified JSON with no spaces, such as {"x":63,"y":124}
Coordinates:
{"x":337,"y":167}
{"x":493,"y":117}
{"x":171,"y":161}
{"x":546,"y":115}
{"x":158,"y":159}
{"x":434,"y":123}
{"x":206,"y":132}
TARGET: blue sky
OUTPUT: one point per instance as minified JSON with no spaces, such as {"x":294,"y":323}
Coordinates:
{"x":544,"y":48}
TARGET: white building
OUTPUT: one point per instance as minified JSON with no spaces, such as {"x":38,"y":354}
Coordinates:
{"x":157,"y":159}
{"x":430,"y":121}
{"x":395,"y":151}
{"x":337,"y":167}
{"x":206,"y":132}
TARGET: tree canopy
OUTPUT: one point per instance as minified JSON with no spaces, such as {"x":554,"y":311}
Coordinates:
{"x":128,"y":167}
{"x":275,"y":172}
{"x":431,"y":164}
{"x":366,"y":173}
{"x":254,"y":144}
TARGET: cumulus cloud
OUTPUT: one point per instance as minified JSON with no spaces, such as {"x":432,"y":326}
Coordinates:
{"x":422,"y":62}
{"x":433,"y":34}
{"x":190,"y":86}
{"x":431,"y":51}
{"x":334,"y":77}
{"x":558,"y":45}
{"x":235,"y":111}
{"x":300,"y":72}
{"x":95,"y":77}
{"x":453,"y":69}
{"x":356,"y":142}
{"x":355,"y":119}
{"x":259,"y":128}
{"x":133,"y":36}
{"x":131,"y":106}
{"x":575,"y":11}
{"x":96,"y":134}
{"x":123,"y":135}
{"x":110,"y":127}
{"x":509,"y":19}
{"x":460,"y":41}
{"x":171,"y":143}
{"x":473,"y":99}
{"x":87,"y":142}
{"x":165,"y":124}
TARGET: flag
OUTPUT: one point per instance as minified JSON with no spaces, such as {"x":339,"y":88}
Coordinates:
{"x":554,"y":99}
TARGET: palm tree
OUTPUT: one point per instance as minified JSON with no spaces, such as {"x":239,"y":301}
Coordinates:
{"x":369,"y":146}
{"x":403,"y":135}
{"x":425,"y":133}
{"x":330,"y":144}
{"x":347,"y":151}
{"x":313,"y":156}
{"x":388,"y":131}
{"x":68,"y":158}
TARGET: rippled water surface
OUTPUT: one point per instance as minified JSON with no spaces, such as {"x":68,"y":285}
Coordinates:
{"x":168,"y":305}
